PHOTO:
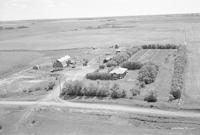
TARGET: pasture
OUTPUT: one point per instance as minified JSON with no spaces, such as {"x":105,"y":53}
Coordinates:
{"x":97,"y":32}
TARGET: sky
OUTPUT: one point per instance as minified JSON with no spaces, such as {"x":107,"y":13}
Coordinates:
{"x":47,"y":9}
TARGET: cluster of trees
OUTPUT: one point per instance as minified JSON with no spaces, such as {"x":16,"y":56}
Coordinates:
{"x":159,"y":46}
{"x":47,"y":86}
{"x":77,"y":88}
{"x":148,"y":73}
{"x":99,"y":76}
{"x":177,"y":84}
{"x":131,"y":65}
{"x":102,"y":90}
{"x":122,"y":57}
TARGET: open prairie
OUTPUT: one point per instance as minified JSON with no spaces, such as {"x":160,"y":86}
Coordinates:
{"x":36,"y":97}
{"x":98,"y":32}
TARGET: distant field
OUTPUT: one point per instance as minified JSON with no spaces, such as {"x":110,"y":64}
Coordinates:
{"x":76,"y":33}
{"x":12,"y":61}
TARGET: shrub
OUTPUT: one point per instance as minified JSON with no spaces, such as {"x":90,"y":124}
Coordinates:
{"x":101,"y":66}
{"x":103,"y":91}
{"x":151,"y":96}
{"x":116,"y":46}
{"x":116,"y":92}
{"x":76,"y":88}
{"x":99,"y":76}
{"x":135,"y":91}
{"x":111,"y":63}
{"x":177,"y":84}
{"x":72,"y":88}
{"x":132,"y":65}
{"x":122,"y":57}
{"x":159,"y":46}
{"x":148,"y":73}
{"x":51,"y":85}
{"x":90,"y":91}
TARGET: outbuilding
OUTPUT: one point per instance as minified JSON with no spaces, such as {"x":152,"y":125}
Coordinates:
{"x":36,"y":67}
{"x":119,"y":72}
{"x":108,"y":58}
{"x":61,"y":62}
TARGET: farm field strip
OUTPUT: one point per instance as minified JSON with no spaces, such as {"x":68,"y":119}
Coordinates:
{"x":193,"y":72}
{"x":145,"y":56}
{"x":139,"y":54}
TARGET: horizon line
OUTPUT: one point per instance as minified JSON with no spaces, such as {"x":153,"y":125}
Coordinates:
{"x":95,"y":17}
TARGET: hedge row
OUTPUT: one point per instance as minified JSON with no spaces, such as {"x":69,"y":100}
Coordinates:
{"x":158,"y":46}
{"x":131,"y":65}
{"x":99,"y":76}
{"x":148,"y":73}
{"x":122,"y":56}
{"x":77,"y":88}
{"x":177,"y":84}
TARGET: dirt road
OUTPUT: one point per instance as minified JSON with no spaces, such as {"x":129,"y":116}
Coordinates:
{"x":105,"y":108}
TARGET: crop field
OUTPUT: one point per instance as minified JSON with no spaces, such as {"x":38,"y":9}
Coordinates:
{"x":75,"y":33}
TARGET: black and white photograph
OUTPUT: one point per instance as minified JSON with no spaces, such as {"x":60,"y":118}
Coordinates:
{"x":99,"y":67}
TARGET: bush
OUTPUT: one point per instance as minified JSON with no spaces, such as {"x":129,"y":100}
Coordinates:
{"x":111,"y":63}
{"x":135,"y":91}
{"x":51,"y":85}
{"x":122,"y":57}
{"x":99,"y":76}
{"x":101,"y":66}
{"x":131,"y":65}
{"x":158,"y":46}
{"x":72,"y":88}
{"x":177,"y":84}
{"x":76,"y":88}
{"x":116,"y":92}
{"x":103,"y":91}
{"x":148,"y":73}
{"x":151,"y":96}
{"x":90,"y":91}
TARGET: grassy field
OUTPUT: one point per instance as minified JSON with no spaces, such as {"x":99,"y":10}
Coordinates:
{"x":53,"y":120}
{"x":76,"y":33}
{"x":13,"y":61}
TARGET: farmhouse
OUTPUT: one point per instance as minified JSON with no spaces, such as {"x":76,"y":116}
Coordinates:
{"x":119,"y":73}
{"x":62,"y":62}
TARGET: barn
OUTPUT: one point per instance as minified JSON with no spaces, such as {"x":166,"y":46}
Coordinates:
{"x":62,"y":62}
{"x":118,"y":73}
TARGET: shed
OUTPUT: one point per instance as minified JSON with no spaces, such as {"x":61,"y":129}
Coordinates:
{"x":36,"y":67}
{"x":61,"y":62}
{"x":118,"y":73}
{"x":118,"y":50}
{"x":108,"y":58}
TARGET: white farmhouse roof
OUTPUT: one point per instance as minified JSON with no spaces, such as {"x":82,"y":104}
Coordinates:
{"x":118,"y":70}
{"x":65,"y":58}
